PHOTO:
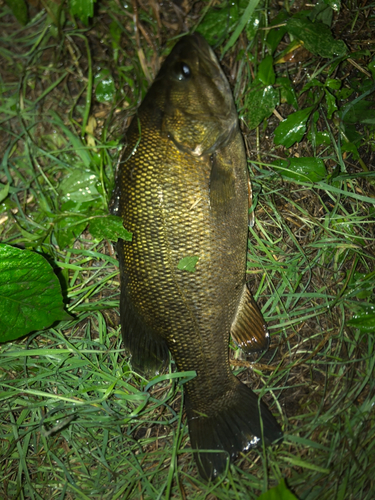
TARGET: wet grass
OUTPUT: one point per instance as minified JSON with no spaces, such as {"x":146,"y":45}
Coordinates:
{"x":76,"y":421}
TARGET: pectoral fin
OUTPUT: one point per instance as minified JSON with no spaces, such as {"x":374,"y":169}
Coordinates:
{"x":249,"y":329}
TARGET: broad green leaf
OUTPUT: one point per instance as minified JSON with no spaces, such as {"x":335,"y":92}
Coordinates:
{"x":19,"y":9}
{"x":217,"y":23}
{"x":293,"y":128}
{"x":266,"y":73}
{"x":83,"y":9}
{"x":361,"y":285}
{"x":331,"y":104}
{"x":279,"y":492}
{"x":253,"y":24}
{"x":350,"y":147}
{"x":68,"y":229}
{"x":275,"y":35}
{"x":109,"y":227}
{"x":287,"y":93}
{"x":322,"y":12}
{"x":259,"y":104}
{"x":318,"y":138}
{"x":364,"y":319}
{"x":312,"y":83}
{"x":308,"y":169}
{"x":344,"y":93}
{"x":30,"y":293}
{"x":333,"y":83}
{"x":79,"y":186}
{"x":334,"y":4}
{"x":322,"y":138}
{"x":188,"y":264}
{"x":351,"y":133}
{"x":105,"y":89}
{"x":316,"y":37}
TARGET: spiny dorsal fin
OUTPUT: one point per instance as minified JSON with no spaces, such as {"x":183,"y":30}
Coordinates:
{"x":249,"y":329}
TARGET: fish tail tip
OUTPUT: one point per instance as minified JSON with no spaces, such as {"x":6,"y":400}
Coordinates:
{"x":233,"y":428}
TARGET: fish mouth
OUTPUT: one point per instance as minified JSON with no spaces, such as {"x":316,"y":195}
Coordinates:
{"x":209,"y":64}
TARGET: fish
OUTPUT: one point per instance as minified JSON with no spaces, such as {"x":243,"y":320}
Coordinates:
{"x":182,"y":189}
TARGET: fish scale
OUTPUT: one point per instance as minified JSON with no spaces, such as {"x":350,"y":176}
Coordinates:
{"x":182,"y":190}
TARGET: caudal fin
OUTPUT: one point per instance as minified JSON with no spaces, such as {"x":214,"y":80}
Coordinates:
{"x":228,"y":427}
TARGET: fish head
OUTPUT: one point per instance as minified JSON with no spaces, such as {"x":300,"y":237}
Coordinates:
{"x":198,"y":111}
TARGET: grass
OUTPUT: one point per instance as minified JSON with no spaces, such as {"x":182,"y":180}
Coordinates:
{"x":76,"y":421}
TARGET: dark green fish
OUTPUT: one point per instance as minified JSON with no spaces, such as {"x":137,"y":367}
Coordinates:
{"x":183,"y":190}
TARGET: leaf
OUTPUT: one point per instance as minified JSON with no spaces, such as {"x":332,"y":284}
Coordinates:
{"x":316,"y":37}
{"x":115,"y":32}
{"x":318,"y":138}
{"x":266,"y":73}
{"x":361,"y":285}
{"x":19,"y":9}
{"x":259,"y":104}
{"x":322,"y":12}
{"x":331,"y":103}
{"x":358,"y":112}
{"x":109,"y":227}
{"x":188,"y":264}
{"x":217,"y":23}
{"x":293,"y":128}
{"x":350,"y":147}
{"x":364,"y":319}
{"x":105,"y":89}
{"x":275,"y":35}
{"x":308,"y":169}
{"x":279,"y":492}
{"x":69,"y":228}
{"x":253,"y":24}
{"x":79,"y":186}
{"x":334,"y":4}
{"x":83,"y":9}
{"x":333,"y":83}
{"x":287,"y":92}
{"x":30,"y":293}
{"x":371,"y":67}
{"x":4,"y":191}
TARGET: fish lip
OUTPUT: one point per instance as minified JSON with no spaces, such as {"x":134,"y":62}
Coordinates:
{"x":206,"y":52}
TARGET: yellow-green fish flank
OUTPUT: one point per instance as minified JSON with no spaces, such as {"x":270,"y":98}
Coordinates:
{"x":183,"y":191}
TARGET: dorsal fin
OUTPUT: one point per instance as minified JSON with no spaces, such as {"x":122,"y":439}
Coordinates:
{"x":249,"y":330}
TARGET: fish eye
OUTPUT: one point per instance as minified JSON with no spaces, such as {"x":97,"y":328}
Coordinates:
{"x":183,"y":71}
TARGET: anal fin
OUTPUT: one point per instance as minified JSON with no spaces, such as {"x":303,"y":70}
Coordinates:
{"x":249,"y":330}
{"x":148,"y":349}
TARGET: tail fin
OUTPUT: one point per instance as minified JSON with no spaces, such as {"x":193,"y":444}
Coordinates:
{"x":229,"y":427}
